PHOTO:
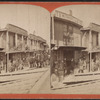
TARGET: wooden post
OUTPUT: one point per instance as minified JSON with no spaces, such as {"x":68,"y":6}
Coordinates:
{"x":7,"y":61}
{"x":52,"y":29}
{"x":7,"y":41}
{"x":36,"y":44}
{"x":7,"y":49}
{"x":90,"y":61}
{"x":32,"y":46}
{"x":22,"y":42}
{"x":27,"y":40}
{"x":90,"y":48}
{"x":16,"y":39}
{"x":98,"y":39}
{"x":90,"y":40}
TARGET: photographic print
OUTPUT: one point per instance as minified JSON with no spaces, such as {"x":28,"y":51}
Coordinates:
{"x":49,"y":50}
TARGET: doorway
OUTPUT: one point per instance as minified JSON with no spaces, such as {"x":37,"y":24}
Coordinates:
{"x":69,"y":56}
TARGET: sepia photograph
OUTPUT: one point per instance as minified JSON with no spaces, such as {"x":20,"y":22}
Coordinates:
{"x":24,"y":48}
{"x":75,"y":49}
{"x":53,"y":52}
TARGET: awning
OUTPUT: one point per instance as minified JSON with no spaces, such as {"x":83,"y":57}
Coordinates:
{"x":72,"y":47}
{"x":91,"y":51}
{"x":95,"y":51}
{"x":1,"y":51}
{"x":25,"y":51}
{"x":1,"y":48}
{"x":85,"y":29}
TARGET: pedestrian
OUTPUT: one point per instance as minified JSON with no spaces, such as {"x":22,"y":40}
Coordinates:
{"x":72,"y":65}
{"x":60,"y":70}
{"x":41,"y":60}
{"x":92,"y":65}
{"x":31,"y":62}
{"x":84,"y":65}
{"x":65,"y":66}
{"x":37,"y":60}
{"x":80,"y":66}
{"x":56,"y":67}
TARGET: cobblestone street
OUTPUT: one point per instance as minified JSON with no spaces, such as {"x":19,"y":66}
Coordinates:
{"x":20,"y":83}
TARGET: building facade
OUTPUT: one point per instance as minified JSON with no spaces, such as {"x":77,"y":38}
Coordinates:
{"x":74,"y":49}
{"x":66,"y":39}
{"x":91,"y":40}
{"x":17,"y":44}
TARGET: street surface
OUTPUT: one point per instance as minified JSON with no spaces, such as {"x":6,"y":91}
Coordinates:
{"x":91,"y":87}
{"x":20,"y":83}
{"x":38,"y":82}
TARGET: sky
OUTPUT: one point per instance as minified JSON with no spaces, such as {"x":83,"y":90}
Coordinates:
{"x":86,"y":13}
{"x":34,"y":19}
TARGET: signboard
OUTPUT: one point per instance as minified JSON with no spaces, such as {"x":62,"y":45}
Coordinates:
{"x":67,"y":17}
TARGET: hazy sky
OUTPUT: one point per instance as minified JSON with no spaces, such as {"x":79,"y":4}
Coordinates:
{"x":31,"y":18}
{"x":86,"y":13}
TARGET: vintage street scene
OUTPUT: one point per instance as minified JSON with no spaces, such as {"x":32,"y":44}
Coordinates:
{"x":75,"y":50}
{"x":24,"y":48}
{"x":49,"y":53}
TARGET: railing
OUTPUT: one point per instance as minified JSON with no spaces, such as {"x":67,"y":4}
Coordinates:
{"x":72,"y":41}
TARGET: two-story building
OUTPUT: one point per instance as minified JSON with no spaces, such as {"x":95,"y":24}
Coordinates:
{"x":16,"y":44}
{"x":91,"y":40}
{"x":66,"y":42}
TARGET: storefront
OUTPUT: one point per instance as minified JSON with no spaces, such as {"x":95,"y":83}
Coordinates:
{"x":65,"y":60}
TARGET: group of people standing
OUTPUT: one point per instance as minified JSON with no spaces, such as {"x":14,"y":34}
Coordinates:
{"x":63,"y":67}
{"x":95,"y":64}
{"x":39,"y":60}
{"x":82,"y":65}
{"x":34,"y":60}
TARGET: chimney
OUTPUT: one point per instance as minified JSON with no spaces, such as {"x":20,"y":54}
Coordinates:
{"x":70,"y":12}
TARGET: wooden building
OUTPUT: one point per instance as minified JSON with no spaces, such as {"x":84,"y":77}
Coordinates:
{"x":91,"y":40}
{"x":17,"y":44}
{"x":66,"y":37}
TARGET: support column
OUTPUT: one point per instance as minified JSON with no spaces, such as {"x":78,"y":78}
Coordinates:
{"x":90,"y":48}
{"x":36,"y":44}
{"x":16,"y":42}
{"x":27,"y":40}
{"x":7,"y":61}
{"x":52,"y":29}
{"x":32,"y":45}
{"x":90,"y":55}
{"x":22,"y":42}
{"x":7,"y":49}
{"x":7,"y":42}
{"x":98,"y":39}
{"x":90,"y":40}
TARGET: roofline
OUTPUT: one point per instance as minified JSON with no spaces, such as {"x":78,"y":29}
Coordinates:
{"x":69,"y":21}
{"x":17,"y":27}
{"x":3,"y":30}
{"x":95,"y":24}
{"x":68,"y":15}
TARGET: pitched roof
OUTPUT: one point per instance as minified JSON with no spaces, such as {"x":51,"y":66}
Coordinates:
{"x":16,"y":29}
{"x":94,"y":27}
{"x":41,"y":39}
